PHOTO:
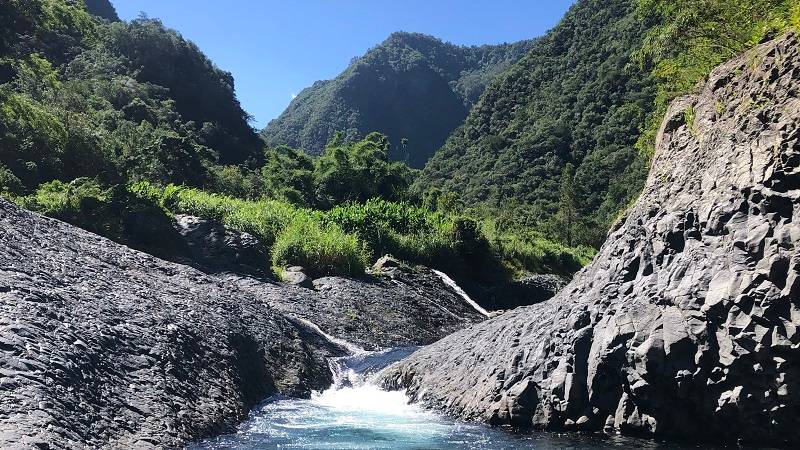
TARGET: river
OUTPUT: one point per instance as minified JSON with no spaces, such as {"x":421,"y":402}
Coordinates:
{"x":355,"y":414}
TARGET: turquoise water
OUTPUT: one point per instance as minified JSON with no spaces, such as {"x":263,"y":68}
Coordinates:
{"x":356,"y":414}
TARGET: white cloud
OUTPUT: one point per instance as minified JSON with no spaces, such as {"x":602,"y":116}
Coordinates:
{"x":293,"y":96}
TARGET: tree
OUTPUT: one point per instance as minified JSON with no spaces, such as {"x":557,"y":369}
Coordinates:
{"x":289,"y":174}
{"x":567,"y":211}
{"x":358,"y":171}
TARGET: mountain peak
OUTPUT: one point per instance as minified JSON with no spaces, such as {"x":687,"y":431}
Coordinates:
{"x":413,"y":87}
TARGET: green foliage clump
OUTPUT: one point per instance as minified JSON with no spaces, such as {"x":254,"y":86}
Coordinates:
{"x":530,"y":251}
{"x":264,"y":219}
{"x":359,"y":171}
{"x":10,"y":185}
{"x":295,"y":236}
{"x":345,"y":172}
{"x":408,"y":232}
{"x":289,"y":174}
{"x":691,"y":37}
{"x":322,"y":248}
{"x":116,"y":213}
{"x":103,"y":9}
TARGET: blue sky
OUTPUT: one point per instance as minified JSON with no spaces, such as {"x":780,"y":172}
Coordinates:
{"x":275,"y":48}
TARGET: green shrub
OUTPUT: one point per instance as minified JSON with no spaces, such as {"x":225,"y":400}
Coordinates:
{"x":529,"y":251}
{"x":323,"y":249}
{"x":343,"y":240}
{"x":264,"y":219}
{"x":117,"y":213}
{"x":9,"y":183}
{"x":382,"y":224}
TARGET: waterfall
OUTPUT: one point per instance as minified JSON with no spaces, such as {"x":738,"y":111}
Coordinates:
{"x":349,"y":347}
{"x":449,"y":281}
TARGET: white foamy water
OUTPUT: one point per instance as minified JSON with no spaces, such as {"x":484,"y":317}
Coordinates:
{"x":354,"y":413}
{"x":453,"y":285}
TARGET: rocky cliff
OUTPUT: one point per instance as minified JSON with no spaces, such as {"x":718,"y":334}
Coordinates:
{"x":104,"y":346}
{"x":686,"y":322}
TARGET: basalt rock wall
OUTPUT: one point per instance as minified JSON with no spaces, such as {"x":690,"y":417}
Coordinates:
{"x":685,"y":324}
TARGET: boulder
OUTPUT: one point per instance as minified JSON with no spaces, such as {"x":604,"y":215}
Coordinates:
{"x":294,"y":275}
{"x":214,"y":248}
{"x":387,"y":264}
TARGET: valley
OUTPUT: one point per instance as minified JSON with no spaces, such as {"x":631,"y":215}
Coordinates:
{"x":584,"y":239}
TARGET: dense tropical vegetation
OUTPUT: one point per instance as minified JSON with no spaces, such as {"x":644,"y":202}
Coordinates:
{"x":692,"y":37}
{"x":589,"y":96}
{"x":116,"y":101}
{"x":100,"y":126}
{"x":574,"y":99}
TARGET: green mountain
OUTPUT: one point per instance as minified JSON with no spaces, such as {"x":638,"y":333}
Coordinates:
{"x":575,"y":99}
{"x":410,"y":87}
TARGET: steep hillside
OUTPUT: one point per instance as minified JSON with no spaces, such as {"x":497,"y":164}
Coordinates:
{"x":575,"y":98}
{"x":411,"y":86}
{"x":84,"y":97}
{"x":686,"y":323}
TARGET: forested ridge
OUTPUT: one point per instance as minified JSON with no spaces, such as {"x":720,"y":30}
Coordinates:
{"x":83,"y":97}
{"x":561,"y":142}
{"x":575,"y":99}
{"x":414,"y":88}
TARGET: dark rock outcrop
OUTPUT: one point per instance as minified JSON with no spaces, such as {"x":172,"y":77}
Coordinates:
{"x":530,"y":290}
{"x":101,"y":345}
{"x":407,"y":308}
{"x":214,"y":248}
{"x":104,"y":346}
{"x":686,"y":323}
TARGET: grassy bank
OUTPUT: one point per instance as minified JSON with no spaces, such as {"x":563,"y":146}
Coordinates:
{"x":341,"y":241}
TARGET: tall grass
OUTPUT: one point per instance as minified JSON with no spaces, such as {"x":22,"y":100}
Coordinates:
{"x":321,"y":248}
{"x":343,"y":240}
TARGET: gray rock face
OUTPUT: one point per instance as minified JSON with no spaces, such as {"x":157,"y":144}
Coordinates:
{"x":104,"y":346}
{"x":408,"y":308}
{"x":686,"y":323}
{"x":101,"y":345}
{"x":214,"y":248}
{"x":295,"y":276}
